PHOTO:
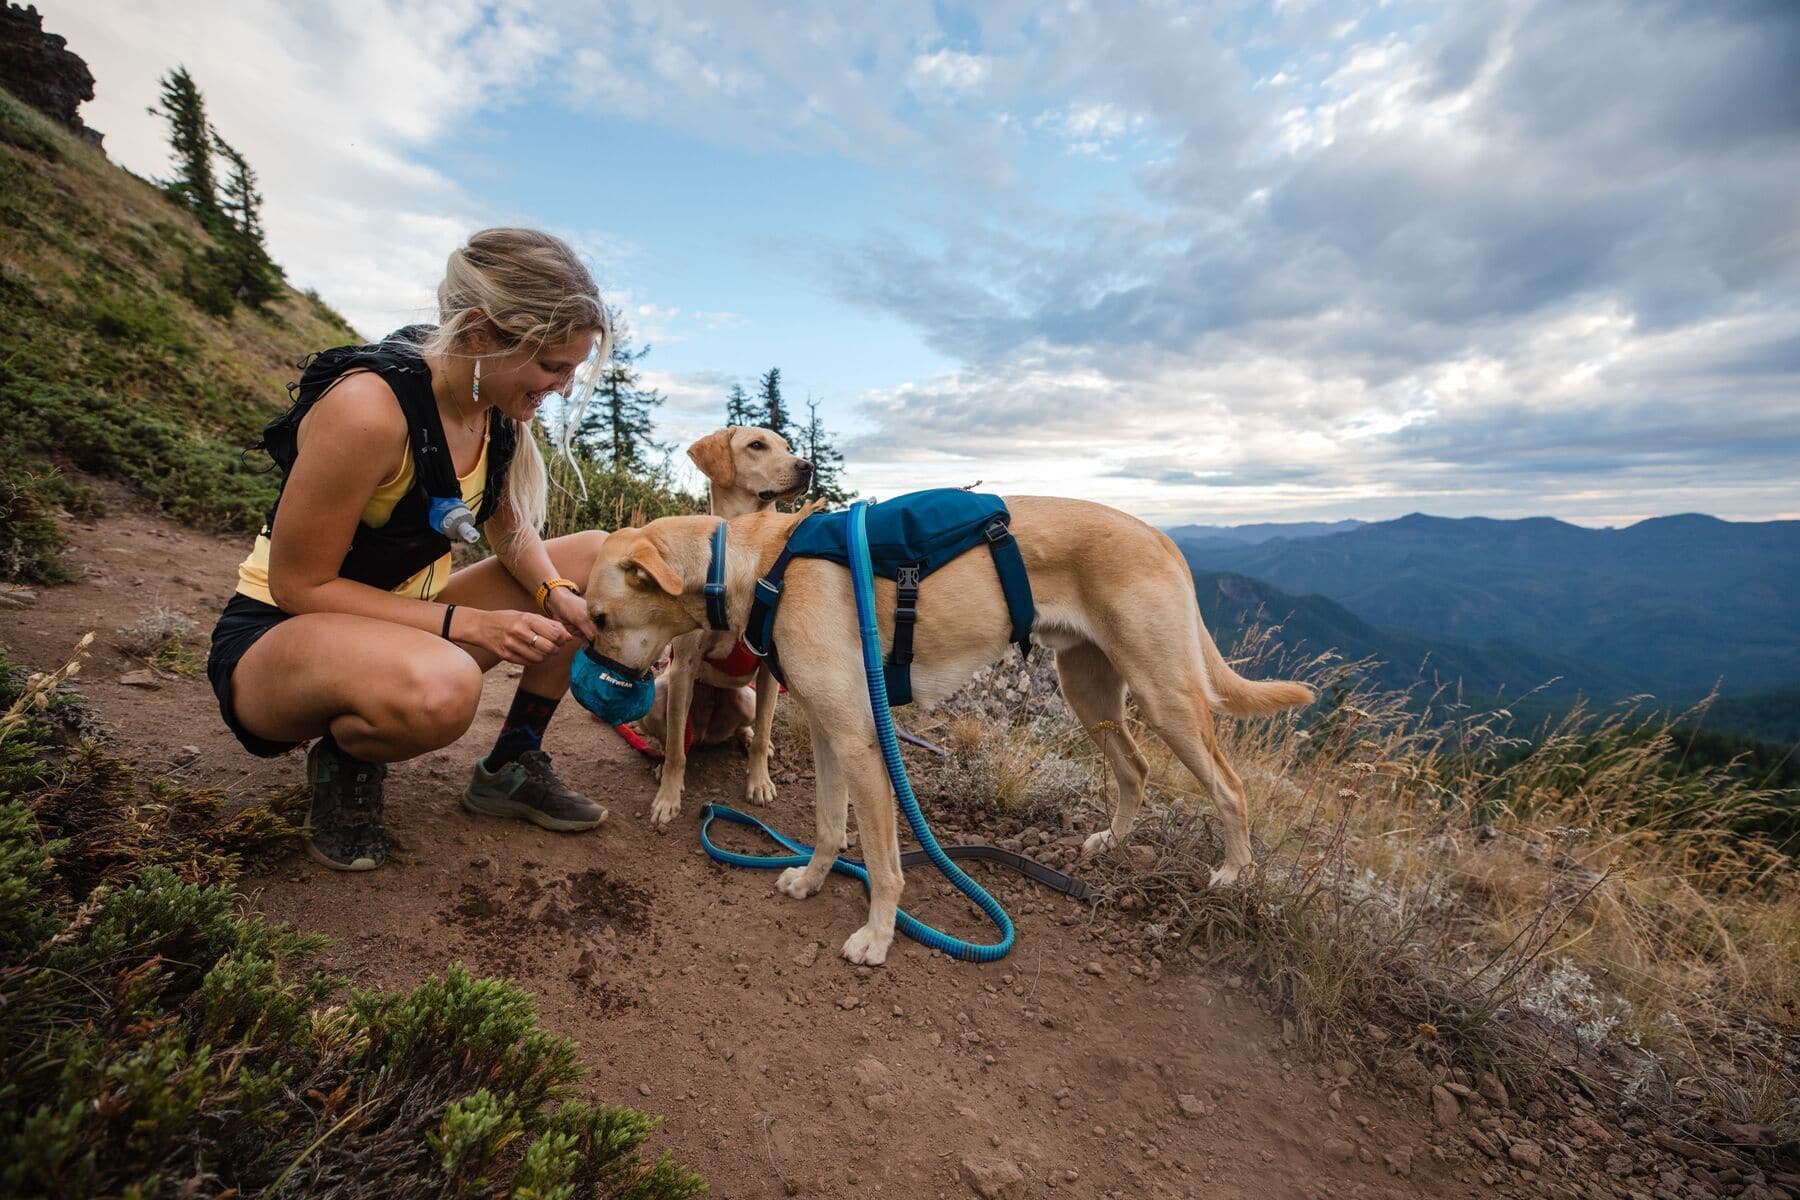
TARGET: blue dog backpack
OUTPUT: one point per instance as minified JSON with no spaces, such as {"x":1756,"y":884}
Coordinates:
{"x":909,"y":537}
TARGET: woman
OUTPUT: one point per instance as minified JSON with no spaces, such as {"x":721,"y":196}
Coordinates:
{"x":348,"y":626}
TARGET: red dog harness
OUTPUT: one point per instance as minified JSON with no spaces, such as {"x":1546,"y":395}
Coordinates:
{"x":740,"y":663}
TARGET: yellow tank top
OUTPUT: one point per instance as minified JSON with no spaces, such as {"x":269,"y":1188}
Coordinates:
{"x":253,"y":572}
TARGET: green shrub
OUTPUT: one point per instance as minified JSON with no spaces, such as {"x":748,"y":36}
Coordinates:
{"x":31,"y":540}
{"x":157,"y":1042}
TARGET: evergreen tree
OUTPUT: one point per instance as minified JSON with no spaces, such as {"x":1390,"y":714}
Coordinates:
{"x":738,"y":410}
{"x":774,"y":408}
{"x":828,"y":464}
{"x":191,"y":138}
{"x":252,"y":275}
{"x":616,"y":429}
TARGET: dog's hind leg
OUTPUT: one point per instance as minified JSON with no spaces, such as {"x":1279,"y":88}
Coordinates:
{"x":1183,"y":718}
{"x":831,"y":805}
{"x":759,"y":788}
{"x":1096,"y":692}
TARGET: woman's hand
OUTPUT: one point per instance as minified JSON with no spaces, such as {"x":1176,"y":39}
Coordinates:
{"x":570,"y":609}
{"x":516,"y":637}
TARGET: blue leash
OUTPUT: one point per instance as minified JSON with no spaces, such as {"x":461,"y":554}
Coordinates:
{"x":862,"y":577}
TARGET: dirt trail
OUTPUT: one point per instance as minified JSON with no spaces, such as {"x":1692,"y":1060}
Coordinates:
{"x":697,"y":992}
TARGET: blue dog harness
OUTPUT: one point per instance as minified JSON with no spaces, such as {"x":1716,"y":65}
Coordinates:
{"x":909,"y":537}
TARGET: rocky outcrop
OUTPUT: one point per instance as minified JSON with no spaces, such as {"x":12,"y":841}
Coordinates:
{"x":40,"y":69}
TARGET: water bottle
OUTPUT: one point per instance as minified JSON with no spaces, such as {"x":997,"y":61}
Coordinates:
{"x":452,"y":518}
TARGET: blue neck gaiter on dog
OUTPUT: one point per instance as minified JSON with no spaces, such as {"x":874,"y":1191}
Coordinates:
{"x":610,"y":690}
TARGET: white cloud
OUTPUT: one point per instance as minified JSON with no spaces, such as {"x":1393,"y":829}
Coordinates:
{"x":334,"y":105}
{"x":947,"y":71}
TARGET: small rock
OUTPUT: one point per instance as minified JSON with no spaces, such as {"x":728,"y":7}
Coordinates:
{"x":643,"y":1089}
{"x":872,"y":1075}
{"x":808,"y":955}
{"x":1489,"y":1086}
{"x":480,"y":862}
{"x":993,"y":1178}
{"x":1095,"y":968}
{"x":1484,"y":1143}
{"x":16,"y":597}
{"x":141,"y":679}
{"x":1398,"y":1162}
{"x":849,"y":1002}
{"x":1193,"y":1106}
{"x":1527,"y":1154}
{"x":1339,"y":1149}
{"x":1444,"y":1108}
{"x":1142,"y":857}
{"x":1336,"y":1101}
{"x":1408,"y":1072}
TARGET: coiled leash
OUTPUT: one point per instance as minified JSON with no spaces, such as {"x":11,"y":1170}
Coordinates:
{"x":863,"y":586}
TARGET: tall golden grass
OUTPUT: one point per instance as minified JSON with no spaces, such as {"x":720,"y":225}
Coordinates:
{"x":1560,"y":902}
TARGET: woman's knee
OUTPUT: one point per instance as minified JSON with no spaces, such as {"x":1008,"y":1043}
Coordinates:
{"x":436,"y":697}
{"x":574,"y":553}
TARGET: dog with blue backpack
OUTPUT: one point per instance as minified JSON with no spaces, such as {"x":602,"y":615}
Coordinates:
{"x":958,"y":577}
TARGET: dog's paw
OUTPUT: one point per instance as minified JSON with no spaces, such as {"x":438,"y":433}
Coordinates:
{"x":1098,"y":843}
{"x":866,"y":948}
{"x":759,"y":790}
{"x":795,"y":882}
{"x":1225,"y":876}
{"x":664,"y":808}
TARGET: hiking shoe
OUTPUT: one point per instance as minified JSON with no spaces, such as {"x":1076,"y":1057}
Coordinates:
{"x":528,"y":787}
{"x":344,"y":830}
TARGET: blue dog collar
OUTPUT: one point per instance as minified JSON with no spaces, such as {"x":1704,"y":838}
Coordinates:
{"x":716,"y":615}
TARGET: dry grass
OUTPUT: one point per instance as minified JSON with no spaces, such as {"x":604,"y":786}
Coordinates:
{"x":164,"y":639}
{"x":1569,"y":905}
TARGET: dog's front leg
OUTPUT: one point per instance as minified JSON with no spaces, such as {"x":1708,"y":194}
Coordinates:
{"x":759,"y":788}
{"x":876,"y":824}
{"x":675,"y":726}
{"x":831,"y":804}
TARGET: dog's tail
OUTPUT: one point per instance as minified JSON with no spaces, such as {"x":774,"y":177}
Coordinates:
{"x":1247,"y":697}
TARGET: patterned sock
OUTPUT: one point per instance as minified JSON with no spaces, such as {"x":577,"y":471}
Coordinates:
{"x":523,"y":730}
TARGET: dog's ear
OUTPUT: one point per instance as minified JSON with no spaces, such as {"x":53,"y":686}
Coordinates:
{"x":712,"y":454}
{"x":648,"y":564}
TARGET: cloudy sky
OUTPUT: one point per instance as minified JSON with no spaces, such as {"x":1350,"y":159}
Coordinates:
{"x":1216,"y":263}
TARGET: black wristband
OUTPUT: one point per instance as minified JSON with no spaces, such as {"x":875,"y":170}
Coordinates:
{"x":448,"y":609}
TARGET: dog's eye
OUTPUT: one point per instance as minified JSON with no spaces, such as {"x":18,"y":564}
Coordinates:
{"x":599,"y":620}
{"x":759,"y":445}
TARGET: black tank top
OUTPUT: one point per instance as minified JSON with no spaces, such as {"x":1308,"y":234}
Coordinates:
{"x":406,"y":544}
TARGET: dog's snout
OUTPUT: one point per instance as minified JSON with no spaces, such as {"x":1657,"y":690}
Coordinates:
{"x":805,"y":468}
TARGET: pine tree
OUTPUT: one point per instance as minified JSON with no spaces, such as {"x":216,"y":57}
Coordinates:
{"x":618,"y":424}
{"x":191,"y":138}
{"x":828,"y":464}
{"x":738,"y":410}
{"x":774,"y":408}
{"x":253,"y":276}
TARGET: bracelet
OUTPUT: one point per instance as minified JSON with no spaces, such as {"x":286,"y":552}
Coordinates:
{"x":550,"y":585}
{"x":448,"y":609}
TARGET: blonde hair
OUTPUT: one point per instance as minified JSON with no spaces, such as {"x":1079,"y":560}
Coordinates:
{"x":532,"y":289}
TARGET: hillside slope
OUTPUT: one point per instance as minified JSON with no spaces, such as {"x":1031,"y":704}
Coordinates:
{"x":110,"y":364}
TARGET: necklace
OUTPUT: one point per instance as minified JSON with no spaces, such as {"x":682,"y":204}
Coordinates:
{"x":471,"y":425}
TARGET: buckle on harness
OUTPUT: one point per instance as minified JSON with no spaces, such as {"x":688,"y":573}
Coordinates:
{"x":997,"y":531}
{"x":908,"y":577}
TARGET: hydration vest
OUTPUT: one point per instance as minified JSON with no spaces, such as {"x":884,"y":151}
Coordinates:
{"x":407,"y":544}
{"x":909,"y":537}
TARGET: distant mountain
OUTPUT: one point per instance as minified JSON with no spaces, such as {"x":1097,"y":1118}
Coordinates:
{"x":1668,"y":605}
{"x":1257,"y":534}
{"x":1313,"y":624}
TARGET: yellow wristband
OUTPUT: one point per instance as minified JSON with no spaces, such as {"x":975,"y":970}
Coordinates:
{"x":549,"y":585}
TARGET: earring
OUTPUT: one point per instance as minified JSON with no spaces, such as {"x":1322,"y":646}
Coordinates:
{"x":478,"y":381}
